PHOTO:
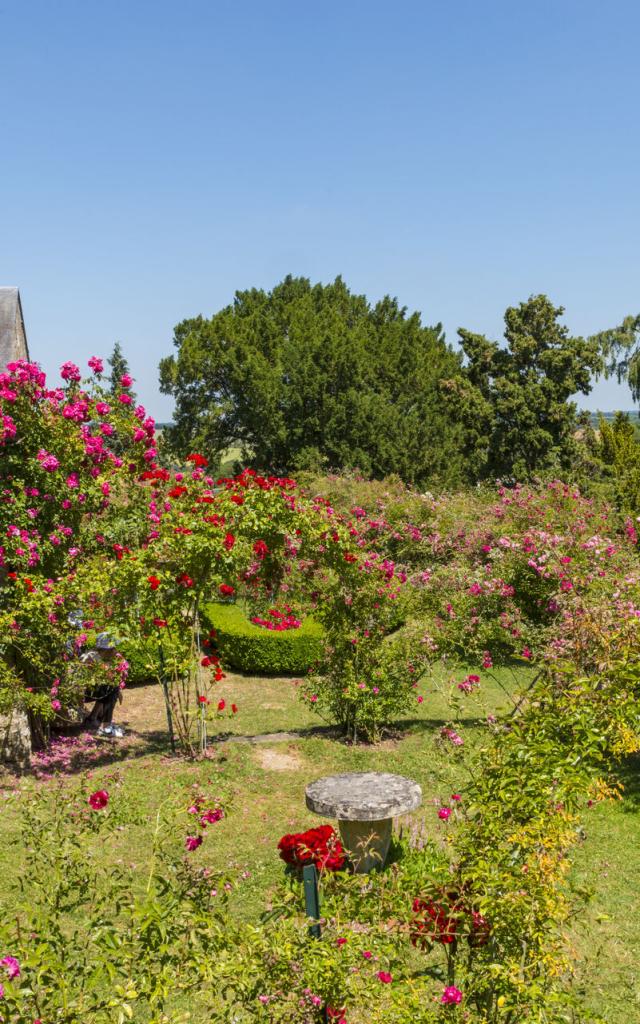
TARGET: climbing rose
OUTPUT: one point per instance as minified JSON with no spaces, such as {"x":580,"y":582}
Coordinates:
{"x":96,"y":364}
{"x":126,"y":380}
{"x":198,"y":460}
{"x":384,"y":977}
{"x":260,"y":549}
{"x":153,"y":582}
{"x":11,"y":966}
{"x":192,"y":843}
{"x":451,"y":994}
{"x":226,"y":590}
{"x":221,"y":705}
{"x":99,"y":799}
{"x":69,"y":371}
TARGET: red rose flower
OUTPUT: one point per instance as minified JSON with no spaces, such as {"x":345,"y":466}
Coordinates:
{"x":221,"y":705}
{"x":435,"y":922}
{"x":198,"y":460}
{"x":234,"y":709}
{"x":153,"y":582}
{"x":260,"y":549}
{"x":226,"y":590}
{"x":99,"y":799}
{"x":183,"y":580}
{"x":319,"y":846}
{"x":229,"y":541}
{"x":159,"y":622}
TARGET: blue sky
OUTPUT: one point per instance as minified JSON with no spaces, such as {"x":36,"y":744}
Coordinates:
{"x":158,"y":156}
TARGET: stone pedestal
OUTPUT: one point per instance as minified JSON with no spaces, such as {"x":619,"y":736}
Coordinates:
{"x":364,"y":804}
{"x":15,"y":740}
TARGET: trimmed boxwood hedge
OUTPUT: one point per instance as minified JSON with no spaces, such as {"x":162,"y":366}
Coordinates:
{"x":253,"y":648}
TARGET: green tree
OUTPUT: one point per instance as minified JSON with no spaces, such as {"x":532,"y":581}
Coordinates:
{"x":618,"y":449}
{"x":310,"y":375}
{"x":620,"y":347}
{"x":119,"y":366}
{"x":515,"y":400}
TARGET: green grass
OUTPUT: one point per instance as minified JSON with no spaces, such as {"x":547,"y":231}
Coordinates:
{"x":263,"y":784}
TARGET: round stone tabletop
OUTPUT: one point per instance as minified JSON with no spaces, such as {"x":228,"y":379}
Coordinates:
{"x":363,"y":796}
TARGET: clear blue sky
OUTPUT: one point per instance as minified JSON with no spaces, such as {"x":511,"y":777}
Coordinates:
{"x":157,"y":156}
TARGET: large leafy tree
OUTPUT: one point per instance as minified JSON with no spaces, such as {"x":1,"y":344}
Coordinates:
{"x":310,"y":375}
{"x":515,"y":399}
{"x":620,"y":348}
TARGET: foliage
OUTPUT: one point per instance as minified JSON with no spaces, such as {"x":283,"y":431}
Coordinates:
{"x":618,"y":449}
{"x":243,"y":645}
{"x":119,"y":368}
{"x":69,"y":455}
{"x":311,"y":375}
{"x":515,"y":400}
{"x":620,"y":347}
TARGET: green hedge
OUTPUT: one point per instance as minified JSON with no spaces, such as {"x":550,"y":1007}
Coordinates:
{"x":253,"y":648}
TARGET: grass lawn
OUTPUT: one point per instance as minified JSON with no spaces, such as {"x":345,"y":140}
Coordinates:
{"x":262,"y":776}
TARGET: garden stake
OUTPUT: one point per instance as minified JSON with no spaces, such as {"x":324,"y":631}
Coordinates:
{"x":312,"y":899}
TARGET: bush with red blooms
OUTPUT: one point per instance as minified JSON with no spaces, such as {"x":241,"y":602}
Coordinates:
{"x":68,"y":457}
{"x":444,"y":921}
{"x":319,"y":846}
{"x":279,"y":621}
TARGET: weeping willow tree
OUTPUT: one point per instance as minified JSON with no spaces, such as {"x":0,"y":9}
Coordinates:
{"x":620,"y":347}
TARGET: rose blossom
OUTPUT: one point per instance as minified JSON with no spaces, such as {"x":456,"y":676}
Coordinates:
{"x":11,"y":966}
{"x":451,"y":995}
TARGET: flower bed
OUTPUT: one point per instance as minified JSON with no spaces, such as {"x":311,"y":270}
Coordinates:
{"x":252,"y":648}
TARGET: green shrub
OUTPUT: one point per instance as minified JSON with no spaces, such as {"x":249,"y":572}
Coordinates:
{"x":142,"y":655}
{"x":253,"y":648}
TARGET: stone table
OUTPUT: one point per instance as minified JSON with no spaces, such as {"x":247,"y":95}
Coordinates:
{"x":364,"y":804}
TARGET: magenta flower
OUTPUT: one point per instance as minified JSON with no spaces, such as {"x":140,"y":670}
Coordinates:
{"x":384,"y":977}
{"x":69,"y":371}
{"x":47,"y":461}
{"x":451,"y":995}
{"x":444,"y":813}
{"x":11,"y":966}
{"x":192,"y":843}
{"x":99,"y":799}
{"x":126,"y":380}
{"x":96,"y":364}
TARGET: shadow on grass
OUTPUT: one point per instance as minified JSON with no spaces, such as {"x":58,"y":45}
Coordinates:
{"x":72,"y":754}
{"x":629,"y":775}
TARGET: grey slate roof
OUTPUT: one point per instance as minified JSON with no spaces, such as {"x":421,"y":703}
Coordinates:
{"x":13,"y":337}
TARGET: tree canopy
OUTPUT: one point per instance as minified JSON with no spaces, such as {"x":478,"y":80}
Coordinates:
{"x":306,"y":376}
{"x":620,"y":348}
{"x":515,"y":399}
